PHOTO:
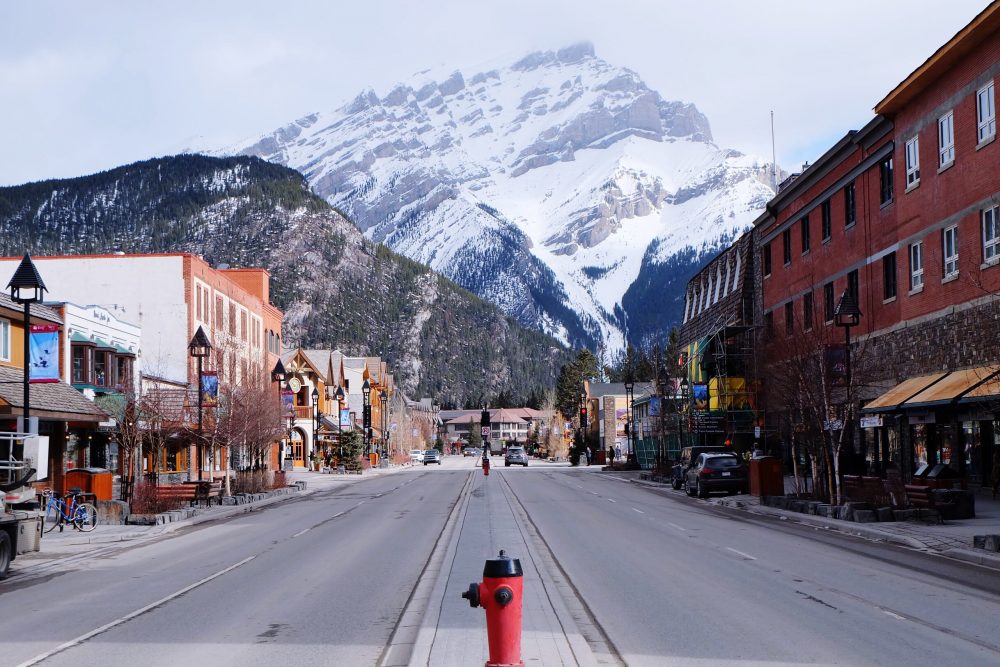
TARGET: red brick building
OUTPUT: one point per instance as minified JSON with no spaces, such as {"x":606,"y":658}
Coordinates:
{"x":903,"y":214}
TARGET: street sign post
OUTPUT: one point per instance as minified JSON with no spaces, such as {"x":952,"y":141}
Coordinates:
{"x":486,"y":431}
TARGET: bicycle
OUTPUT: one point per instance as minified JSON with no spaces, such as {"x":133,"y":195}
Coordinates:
{"x":59,"y":512}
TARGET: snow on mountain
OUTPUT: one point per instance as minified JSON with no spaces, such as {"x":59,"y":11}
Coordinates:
{"x":546,"y":186}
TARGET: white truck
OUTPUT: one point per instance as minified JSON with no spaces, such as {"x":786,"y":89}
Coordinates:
{"x":23,"y":457}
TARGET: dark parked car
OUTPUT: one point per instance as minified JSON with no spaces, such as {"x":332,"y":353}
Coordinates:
{"x":516,"y":456}
{"x":716,"y":472}
{"x":688,"y":456}
{"x":432,"y":456}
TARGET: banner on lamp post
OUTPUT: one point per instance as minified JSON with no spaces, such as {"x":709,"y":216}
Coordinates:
{"x":43,"y":346}
{"x":287,"y":403}
{"x":210,"y":389}
{"x":345,"y":417}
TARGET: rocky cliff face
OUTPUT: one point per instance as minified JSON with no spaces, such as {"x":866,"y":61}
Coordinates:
{"x":336,"y":287}
{"x":546,"y":186}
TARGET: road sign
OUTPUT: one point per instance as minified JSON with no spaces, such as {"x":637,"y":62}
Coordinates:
{"x":486,"y":431}
{"x":833,"y":425}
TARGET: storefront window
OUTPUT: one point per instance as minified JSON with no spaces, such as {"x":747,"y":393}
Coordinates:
{"x":101,"y":369}
{"x":919,"y":439}
{"x":946,"y":439}
{"x":79,"y":364}
{"x":973,"y":451}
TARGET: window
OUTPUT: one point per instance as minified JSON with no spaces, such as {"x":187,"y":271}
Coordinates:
{"x":804,"y":224}
{"x":101,"y":369}
{"x":825,"y":215}
{"x":916,"y":265}
{"x":767,"y":259}
{"x":123,"y":371}
{"x":828,"y":302}
{"x":789,"y":318}
{"x":786,"y":242}
{"x":912,"y":162}
{"x":889,"y":276}
{"x":79,"y":354}
{"x":219,"y":312}
{"x":991,"y":234}
{"x":849,"y":218}
{"x":885,"y":180}
{"x":243,"y":325}
{"x":4,"y":340}
{"x":852,"y":286}
{"x":769,"y":322}
{"x":232,"y":319}
{"x":949,"y":247}
{"x":946,"y":139}
{"x":807,"y":312}
{"x":986,"y":114}
{"x":198,"y":311}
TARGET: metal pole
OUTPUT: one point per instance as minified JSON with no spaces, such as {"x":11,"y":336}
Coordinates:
{"x":200,"y":437}
{"x":340,"y":438}
{"x":27,"y":364}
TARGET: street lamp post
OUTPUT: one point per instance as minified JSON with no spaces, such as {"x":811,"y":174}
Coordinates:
{"x":847,"y":315}
{"x":629,"y":400}
{"x":383,"y":398}
{"x":315,"y":404}
{"x":340,"y":441}
{"x":366,"y":414}
{"x":199,"y":348}
{"x":278,"y":377}
{"x":663,"y":385}
{"x":26,"y":287}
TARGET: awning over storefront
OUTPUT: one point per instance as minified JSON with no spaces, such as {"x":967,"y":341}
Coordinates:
{"x":952,"y":387}
{"x":899,"y":394}
{"x":927,"y":391}
{"x":54,"y":400}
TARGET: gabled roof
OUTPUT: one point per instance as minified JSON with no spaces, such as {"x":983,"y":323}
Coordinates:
{"x":38,"y":310}
{"x":55,"y":400}
{"x":319,"y":360}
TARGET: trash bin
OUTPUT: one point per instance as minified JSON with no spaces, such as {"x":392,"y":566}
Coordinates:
{"x":95,"y":481}
{"x":767,"y":478}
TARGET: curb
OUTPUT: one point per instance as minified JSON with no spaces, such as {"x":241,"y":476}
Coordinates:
{"x":976,"y":556}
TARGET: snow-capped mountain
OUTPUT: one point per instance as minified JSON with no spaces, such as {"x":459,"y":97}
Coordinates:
{"x":549,"y":187}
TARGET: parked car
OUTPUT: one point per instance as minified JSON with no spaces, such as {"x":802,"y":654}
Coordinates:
{"x":432,"y":456}
{"x":688,"y":456}
{"x":716,"y":472}
{"x":416,"y":455}
{"x":515,"y":456}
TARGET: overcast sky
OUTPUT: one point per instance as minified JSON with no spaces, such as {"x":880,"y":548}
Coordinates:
{"x":86,"y":86}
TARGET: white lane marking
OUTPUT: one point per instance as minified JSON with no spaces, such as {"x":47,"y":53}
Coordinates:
{"x":579,"y":486}
{"x":360,"y":504}
{"x":674,"y":525}
{"x":128,"y":617}
{"x":895,"y":616}
{"x":302,"y":532}
{"x":612,"y":500}
{"x":594,"y":493}
{"x":740,"y":553}
{"x":338,"y":514}
{"x":639,"y":511}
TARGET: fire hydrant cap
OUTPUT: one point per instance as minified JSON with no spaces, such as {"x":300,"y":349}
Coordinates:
{"x":502,"y":566}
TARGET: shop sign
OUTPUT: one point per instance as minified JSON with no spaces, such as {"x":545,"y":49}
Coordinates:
{"x":871,"y":422}
{"x":709,"y":423}
{"x":922,"y":418}
{"x":833,"y":425}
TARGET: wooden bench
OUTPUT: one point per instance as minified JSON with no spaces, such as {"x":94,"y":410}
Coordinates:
{"x":193,"y":493}
{"x":856,"y":488}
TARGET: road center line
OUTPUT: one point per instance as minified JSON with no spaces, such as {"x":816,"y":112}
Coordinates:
{"x":674,"y":525}
{"x":639,"y":511}
{"x":338,"y":514}
{"x":740,"y":553}
{"x":612,"y":500}
{"x":301,"y":532}
{"x":128,"y":617}
{"x":895,"y":616}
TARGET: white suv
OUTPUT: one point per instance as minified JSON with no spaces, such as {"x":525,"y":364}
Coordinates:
{"x":416,"y":456}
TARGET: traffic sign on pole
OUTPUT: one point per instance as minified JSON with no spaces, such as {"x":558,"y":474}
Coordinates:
{"x":486,"y":431}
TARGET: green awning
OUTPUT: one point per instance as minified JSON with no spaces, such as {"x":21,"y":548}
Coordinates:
{"x":78,"y":337}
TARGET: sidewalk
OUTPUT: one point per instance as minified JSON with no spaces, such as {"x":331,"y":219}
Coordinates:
{"x":57,"y":545}
{"x":953,"y":538}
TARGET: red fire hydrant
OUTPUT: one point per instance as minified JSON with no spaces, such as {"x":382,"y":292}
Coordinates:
{"x":500,"y":595}
{"x":486,"y":466}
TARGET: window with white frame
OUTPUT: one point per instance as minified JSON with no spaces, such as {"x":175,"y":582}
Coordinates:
{"x":946,"y":138}
{"x":916,"y":265}
{"x":4,"y":340}
{"x":991,"y":235}
{"x":912,"y":162}
{"x":986,"y":113}
{"x":950,"y":251}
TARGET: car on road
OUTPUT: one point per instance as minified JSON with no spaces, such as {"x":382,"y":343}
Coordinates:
{"x":416,"y":455}
{"x":472,"y":451}
{"x":687,"y":458}
{"x":515,"y":456}
{"x":432,"y":456}
{"x":716,"y":472}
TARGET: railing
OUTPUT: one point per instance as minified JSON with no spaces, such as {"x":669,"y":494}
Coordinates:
{"x":303,"y":412}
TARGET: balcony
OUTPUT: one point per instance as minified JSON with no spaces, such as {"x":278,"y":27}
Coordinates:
{"x":303,"y":412}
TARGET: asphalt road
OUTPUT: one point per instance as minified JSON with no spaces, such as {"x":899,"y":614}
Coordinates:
{"x":672,"y":580}
{"x":320,"y":580}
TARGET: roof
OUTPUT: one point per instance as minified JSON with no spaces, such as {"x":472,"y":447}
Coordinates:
{"x":902,"y":392}
{"x":319,"y":360}
{"x":598,"y":389}
{"x":967,"y":39}
{"x":54,"y":400}
{"x":38,"y":310}
{"x":951,"y":387}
